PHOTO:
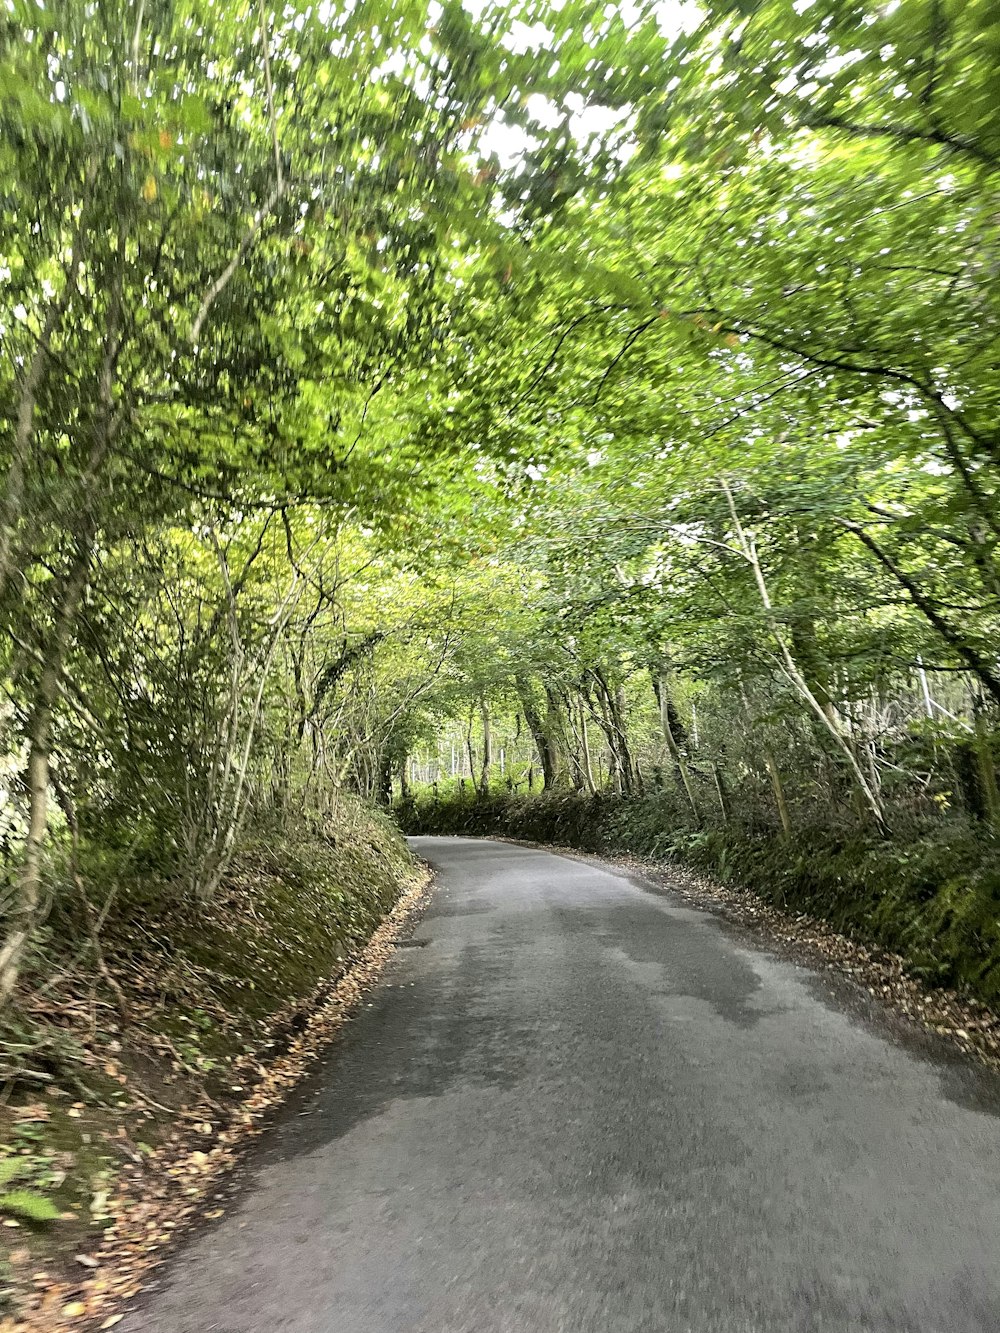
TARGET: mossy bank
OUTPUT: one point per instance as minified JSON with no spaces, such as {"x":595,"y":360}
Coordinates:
{"x":115,"y":1044}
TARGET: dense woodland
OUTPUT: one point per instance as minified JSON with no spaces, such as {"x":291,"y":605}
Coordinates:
{"x":450,"y":402}
{"x":737,"y":489}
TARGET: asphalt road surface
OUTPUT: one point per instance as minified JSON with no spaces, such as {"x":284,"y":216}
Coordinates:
{"x":575,"y":1105}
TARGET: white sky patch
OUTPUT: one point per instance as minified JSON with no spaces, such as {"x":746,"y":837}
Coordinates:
{"x":510,"y":142}
{"x":506,"y":142}
{"x":673,"y":16}
{"x":528,"y":37}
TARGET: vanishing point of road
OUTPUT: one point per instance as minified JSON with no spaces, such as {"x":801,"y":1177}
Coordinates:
{"x":576,"y":1105}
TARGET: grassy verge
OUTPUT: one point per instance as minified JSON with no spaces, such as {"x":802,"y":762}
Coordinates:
{"x":111,"y":1056}
{"x":933,"y":897}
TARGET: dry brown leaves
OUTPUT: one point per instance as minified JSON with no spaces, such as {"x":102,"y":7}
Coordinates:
{"x":154,"y":1199}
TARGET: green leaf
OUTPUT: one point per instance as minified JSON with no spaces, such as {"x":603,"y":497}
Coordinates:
{"x":194,"y":115}
{"x":28,"y":1204}
{"x":10,"y":1168}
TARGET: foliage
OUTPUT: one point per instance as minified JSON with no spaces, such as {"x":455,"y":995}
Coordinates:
{"x":21,"y":1201}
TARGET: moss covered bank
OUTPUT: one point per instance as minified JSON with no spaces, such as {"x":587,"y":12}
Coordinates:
{"x":123,"y":1044}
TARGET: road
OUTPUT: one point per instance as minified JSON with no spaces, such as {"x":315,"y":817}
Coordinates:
{"x":576,"y":1105}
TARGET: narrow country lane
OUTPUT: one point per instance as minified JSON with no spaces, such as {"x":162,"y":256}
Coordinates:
{"x":575,"y":1105}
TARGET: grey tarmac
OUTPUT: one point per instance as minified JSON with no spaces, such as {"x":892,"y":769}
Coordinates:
{"x":575,"y":1104}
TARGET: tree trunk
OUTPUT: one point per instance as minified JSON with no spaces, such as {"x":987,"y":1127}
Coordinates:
{"x":618,"y":735}
{"x":579,"y":757}
{"x":779,"y":792}
{"x":722,"y":793}
{"x":28,"y":892}
{"x":986,"y":766}
{"x":383,"y":785}
{"x":484,"y":777}
{"x":791,"y":670}
{"x":606,"y":725}
{"x":588,"y":767}
{"x":612,"y":724}
{"x":548,"y":754}
{"x":619,"y":715}
{"x":661,"y":688}
{"x":471,"y":752}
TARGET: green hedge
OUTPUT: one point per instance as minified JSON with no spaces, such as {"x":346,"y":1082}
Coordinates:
{"x":933,"y":897}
